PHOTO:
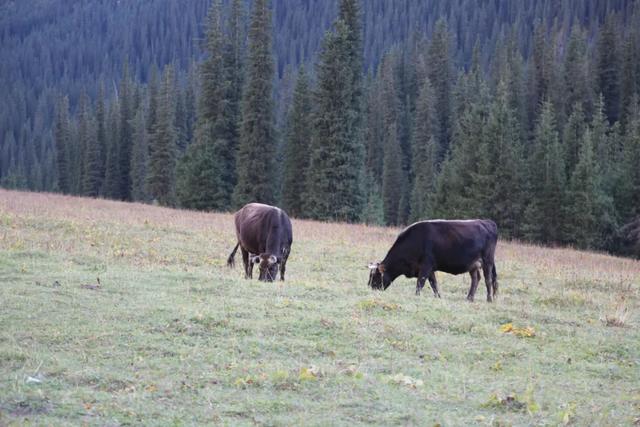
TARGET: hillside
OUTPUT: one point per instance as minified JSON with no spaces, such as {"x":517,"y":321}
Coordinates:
{"x":172,"y":336}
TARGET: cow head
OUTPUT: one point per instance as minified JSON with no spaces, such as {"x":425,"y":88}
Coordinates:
{"x":268,"y":266}
{"x":378,"y":277}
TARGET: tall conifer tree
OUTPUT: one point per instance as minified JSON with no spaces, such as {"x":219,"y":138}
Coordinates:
{"x":126,"y":102}
{"x":297,"y":144}
{"x":139,"y":158}
{"x":440,"y":74}
{"x":545,"y":214}
{"x":256,"y":151}
{"x":162,"y":145}
{"x":424,"y":154}
{"x":111,"y":186}
{"x":62,"y":135}
{"x":608,"y":68}
{"x":505,"y":155}
{"x":584,"y":197}
{"x":393,"y":178}
{"x":92,"y":160}
{"x":206,"y":175}
{"x":334,"y":183}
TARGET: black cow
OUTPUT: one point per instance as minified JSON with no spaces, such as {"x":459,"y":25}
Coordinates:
{"x":454,"y":247}
{"x":265,"y":231}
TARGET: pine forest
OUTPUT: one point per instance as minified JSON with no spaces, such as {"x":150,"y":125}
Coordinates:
{"x":379,"y":111}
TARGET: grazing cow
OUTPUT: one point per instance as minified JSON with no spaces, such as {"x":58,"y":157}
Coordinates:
{"x":265,"y":231}
{"x":454,"y":247}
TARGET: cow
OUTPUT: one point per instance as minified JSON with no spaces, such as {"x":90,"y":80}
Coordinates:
{"x":264,"y":236}
{"x":451,"y":246}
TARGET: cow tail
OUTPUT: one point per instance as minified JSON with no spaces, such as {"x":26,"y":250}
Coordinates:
{"x":231,"y":260}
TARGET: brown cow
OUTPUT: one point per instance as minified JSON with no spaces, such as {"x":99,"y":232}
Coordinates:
{"x":266,"y":231}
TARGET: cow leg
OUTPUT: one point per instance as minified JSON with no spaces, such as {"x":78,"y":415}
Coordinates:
{"x":420,"y":284}
{"x":248,"y":265}
{"x":426,"y":272}
{"x":283,"y":264}
{"x":494,"y":278}
{"x":475,"y":279}
{"x":487,"y":269}
{"x":434,"y":284}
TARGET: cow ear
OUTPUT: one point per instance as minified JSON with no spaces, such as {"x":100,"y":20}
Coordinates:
{"x":372,"y":266}
{"x":381,"y":268}
{"x":255,"y":259}
{"x":272,"y":259}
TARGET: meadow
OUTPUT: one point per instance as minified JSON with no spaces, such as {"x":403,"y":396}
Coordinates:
{"x":126,"y":314}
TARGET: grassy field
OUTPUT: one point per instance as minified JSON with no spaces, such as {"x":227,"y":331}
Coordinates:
{"x":171,"y":336}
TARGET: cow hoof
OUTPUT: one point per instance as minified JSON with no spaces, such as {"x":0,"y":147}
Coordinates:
{"x":489,"y":299}
{"x":417,"y":292}
{"x":470,"y":299}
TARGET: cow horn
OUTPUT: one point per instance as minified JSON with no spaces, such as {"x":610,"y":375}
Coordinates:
{"x":373,"y":266}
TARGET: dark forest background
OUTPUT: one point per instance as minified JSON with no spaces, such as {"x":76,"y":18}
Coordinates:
{"x":378,"y":111}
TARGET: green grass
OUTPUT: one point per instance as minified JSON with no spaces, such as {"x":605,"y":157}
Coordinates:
{"x":173,"y":337}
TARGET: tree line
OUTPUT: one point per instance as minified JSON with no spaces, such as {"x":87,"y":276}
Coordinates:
{"x":545,"y":140}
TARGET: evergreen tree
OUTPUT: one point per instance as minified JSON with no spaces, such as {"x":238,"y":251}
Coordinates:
{"x":630,"y":76}
{"x":393,"y":178}
{"x":234,"y":65}
{"x":395,"y":115}
{"x":152,"y":95}
{"x":350,"y":14}
{"x":126,"y":102}
{"x":440,"y":77}
{"x":62,"y":135}
{"x":180,"y":123}
{"x":599,"y":127}
{"x":296,"y":152}
{"x":334,"y":186}
{"x":572,"y":138}
{"x":545,"y":215}
{"x":628,"y":188}
{"x":505,"y":186}
{"x":256,"y":151}
{"x":513,"y":74}
{"x":608,"y":69}
{"x":540,"y":71}
{"x":424,"y":154}
{"x":111,"y":188}
{"x":375,"y":132}
{"x":463,"y":188}
{"x":585,"y":198}
{"x":139,"y":158}
{"x":96,"y":151}
{"x":207,"y":174}
{"x":162,"y":146}
{"x":373,"y":213}
{"x":91,"y":160}
{"x":577,"y":84}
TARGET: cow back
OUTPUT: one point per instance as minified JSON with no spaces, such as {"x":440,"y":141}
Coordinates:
{"x":263,"y":229}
